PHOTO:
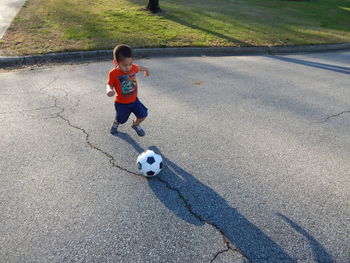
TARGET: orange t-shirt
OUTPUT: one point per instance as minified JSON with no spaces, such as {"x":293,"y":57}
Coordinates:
{"x":124,"y":84}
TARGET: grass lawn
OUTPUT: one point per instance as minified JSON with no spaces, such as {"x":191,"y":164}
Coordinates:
{"x":44,"y":26}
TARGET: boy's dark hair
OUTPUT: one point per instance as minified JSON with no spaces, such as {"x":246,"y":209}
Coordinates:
{"x":122,"y":51}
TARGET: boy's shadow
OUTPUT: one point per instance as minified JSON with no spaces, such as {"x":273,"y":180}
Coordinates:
{"x":197,"y":204}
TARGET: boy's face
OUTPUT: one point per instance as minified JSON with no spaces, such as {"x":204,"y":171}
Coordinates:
{"x":124,"y":65}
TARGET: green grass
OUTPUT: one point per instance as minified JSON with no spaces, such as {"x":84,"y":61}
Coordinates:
{"x":44,"y":26}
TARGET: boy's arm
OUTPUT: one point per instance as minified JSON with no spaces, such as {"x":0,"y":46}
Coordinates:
{"x":110,"y":90}
{"x":145,"y":70}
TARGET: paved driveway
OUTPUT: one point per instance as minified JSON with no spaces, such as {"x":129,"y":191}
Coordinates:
{"x":257,"y":163}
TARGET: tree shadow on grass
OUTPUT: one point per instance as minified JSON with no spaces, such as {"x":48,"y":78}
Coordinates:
{"x":198,"y":204}
{"x":206,"y":30}
{"x":262,"y":24}
{"x":198,"y":26}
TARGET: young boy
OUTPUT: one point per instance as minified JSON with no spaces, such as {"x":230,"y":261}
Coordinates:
{"x":122,"y":80}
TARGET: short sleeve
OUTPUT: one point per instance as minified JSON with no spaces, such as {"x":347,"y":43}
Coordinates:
{"x":135,"y":68}
{"x":110,"y":78}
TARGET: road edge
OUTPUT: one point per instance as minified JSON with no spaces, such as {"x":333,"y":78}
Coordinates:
{"x":103,"y":55}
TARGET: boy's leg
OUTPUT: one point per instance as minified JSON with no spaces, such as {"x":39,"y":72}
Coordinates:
{"x":137,"y":127}
{"x":138,"y":121}
{"x":114,"y":128}
{"x":123,"y":112}
{"x":140,"y":112}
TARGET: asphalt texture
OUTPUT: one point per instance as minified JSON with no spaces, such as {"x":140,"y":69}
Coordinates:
{"x":256,"y":151}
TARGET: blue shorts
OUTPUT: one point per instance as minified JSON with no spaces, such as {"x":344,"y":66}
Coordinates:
{"x":124,"y":110}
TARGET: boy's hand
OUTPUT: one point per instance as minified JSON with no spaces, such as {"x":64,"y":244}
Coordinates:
{"x":110,"y":91}
{"x":147,"y":73}
{"x":145,"y":70}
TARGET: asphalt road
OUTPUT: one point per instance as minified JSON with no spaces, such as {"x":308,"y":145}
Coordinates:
{"x":256,"y":151}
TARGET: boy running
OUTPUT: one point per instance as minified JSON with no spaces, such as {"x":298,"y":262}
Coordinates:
{"x":122,"y":80}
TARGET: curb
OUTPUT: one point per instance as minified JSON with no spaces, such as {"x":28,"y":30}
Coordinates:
{"x":101,"y":55}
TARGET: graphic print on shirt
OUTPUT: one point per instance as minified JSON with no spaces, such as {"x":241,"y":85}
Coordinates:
{"x":128,"y":85}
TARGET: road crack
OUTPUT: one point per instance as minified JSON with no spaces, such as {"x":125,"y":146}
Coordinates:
{"x":229,"y":248}
{"x":197,"y":216}
{"x":336,"y":115}
{"x":91,"y":145}
{"x":167,"y":185}
{"x":87,"y":135}
{"x":180,"y":195}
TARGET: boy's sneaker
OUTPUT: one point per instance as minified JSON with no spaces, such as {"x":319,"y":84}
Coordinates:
{"x":138,"y":129}
{"x":114,"y":128}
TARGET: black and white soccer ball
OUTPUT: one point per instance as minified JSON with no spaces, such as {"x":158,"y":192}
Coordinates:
{"x":149,"y":163}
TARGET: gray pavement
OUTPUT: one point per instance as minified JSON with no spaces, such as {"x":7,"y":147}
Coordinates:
{"x":256,"y":151}
{"x":8,"y":11}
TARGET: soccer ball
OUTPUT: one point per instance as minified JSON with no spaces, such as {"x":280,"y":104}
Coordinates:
{"x":149,"y":163}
